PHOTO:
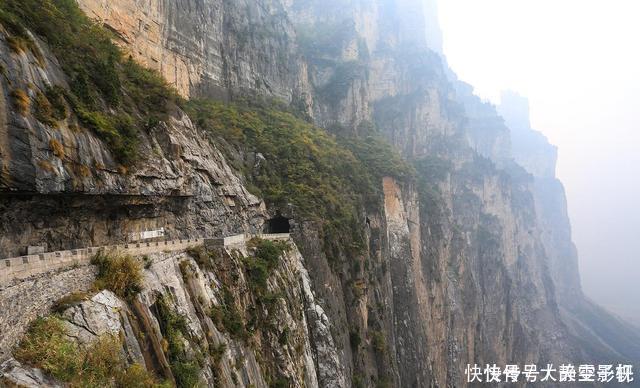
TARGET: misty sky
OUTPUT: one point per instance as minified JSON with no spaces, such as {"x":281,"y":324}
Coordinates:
{"x":578,"y":62}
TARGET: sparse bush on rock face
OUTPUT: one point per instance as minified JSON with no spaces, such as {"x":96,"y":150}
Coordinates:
{"x":184,"y":364}
{"x":119,"y":273}
{"x":111,"y":94}
{"x":202,"y":257}
{"x":101,"y":364}
{"x":21,"y":101}
{"x":324,"y":177}
{"x":57,"y":148}
{"x":266,"y":256}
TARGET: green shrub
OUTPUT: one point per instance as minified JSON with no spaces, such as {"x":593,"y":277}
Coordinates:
{"x":217,"y":352}
{"x":18,"y":40}
{"x":50,"y":106}
{"x":267,"y":254}
{"x":227,"y":317}
{"x":321,"y":177}
{"x":184,"y":364}
{"x":280,"y":382}
{"x":230,"y":124}
{"x":378,"y":342}
{"x":354,"y":340}
{"x":356,"y":381}
{"x":59,"y":107}
{"x":203,"y":258}
{"x":118,"y":132}
{"x":283,"y":338}
{"x":377,"y":154}
{"x":47,"y":346}
{"x":258,"y":272}
{"x":110,"y":93}
{"x":119,"y":273}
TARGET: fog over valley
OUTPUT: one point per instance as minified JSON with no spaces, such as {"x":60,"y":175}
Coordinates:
{"x":575,"y":62}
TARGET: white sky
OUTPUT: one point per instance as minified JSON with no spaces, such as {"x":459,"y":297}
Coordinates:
{"x":578,"y":61}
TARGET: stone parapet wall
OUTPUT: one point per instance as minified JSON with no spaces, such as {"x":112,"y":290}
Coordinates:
{"x":30,"y":285}
{"x":24,"y":267}
{"x":240,"y":239}
{"x":23,"y":302}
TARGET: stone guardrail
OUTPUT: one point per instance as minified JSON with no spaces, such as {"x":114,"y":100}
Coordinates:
{"x":22,"y":267}
{"x":242,"y":238}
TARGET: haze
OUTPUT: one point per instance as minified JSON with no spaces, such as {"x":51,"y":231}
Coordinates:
{"x":578,"y":63}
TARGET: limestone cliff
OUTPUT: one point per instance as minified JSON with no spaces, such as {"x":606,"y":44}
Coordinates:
{"x":197,"y":295}
{"x":597,"y":330}
{"x":211,"y":47}
{"x":467,"y":259}
{"x":61,"y":186}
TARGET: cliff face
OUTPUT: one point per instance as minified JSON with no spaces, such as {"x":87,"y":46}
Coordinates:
{"x":63,"y":188}
{"x":289,"y":330}
{"x":211,"y":47}
{"x":470,"y":260}
{"x":593,"y":327}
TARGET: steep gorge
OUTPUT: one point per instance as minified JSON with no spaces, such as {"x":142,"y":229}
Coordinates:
{"x":452,"y":247}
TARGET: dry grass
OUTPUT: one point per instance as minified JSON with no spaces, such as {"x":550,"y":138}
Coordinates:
{"x":47,"y":166}
{"x":21,"y":101}
{"x":22,"y":45}
{"x":57,"y":148}
{"x":70,"y":300}
{"x":17,"y":44}
{"x":43,"y":110}
{"x":135,"y":377}
{"x":47,"y":346}
{"x":83,"y":170}
{"x":123,"y":170}
{"x":119,"y":273}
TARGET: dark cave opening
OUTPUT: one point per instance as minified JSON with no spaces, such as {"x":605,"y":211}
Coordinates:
{"x":277,"y":224}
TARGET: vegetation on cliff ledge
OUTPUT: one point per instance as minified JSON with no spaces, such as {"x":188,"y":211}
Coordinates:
{"x":110,"y":94}
{"x":185,"y":365}
{"x":48,"y":347}
{"x":119,"y":273}
{"x":292,"y":164}
{"x":297,"y":166}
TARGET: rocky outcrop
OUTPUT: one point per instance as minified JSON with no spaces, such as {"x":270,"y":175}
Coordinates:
{"x":12,"y":372}
{"x":290,"y":339}
{"x":531,"y":149}
{"x":25,"y":301}
{"x":61,"y":187}
{"x":538,"y":157}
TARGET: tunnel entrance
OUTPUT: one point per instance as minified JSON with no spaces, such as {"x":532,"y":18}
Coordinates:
{"x":277,"y":224}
